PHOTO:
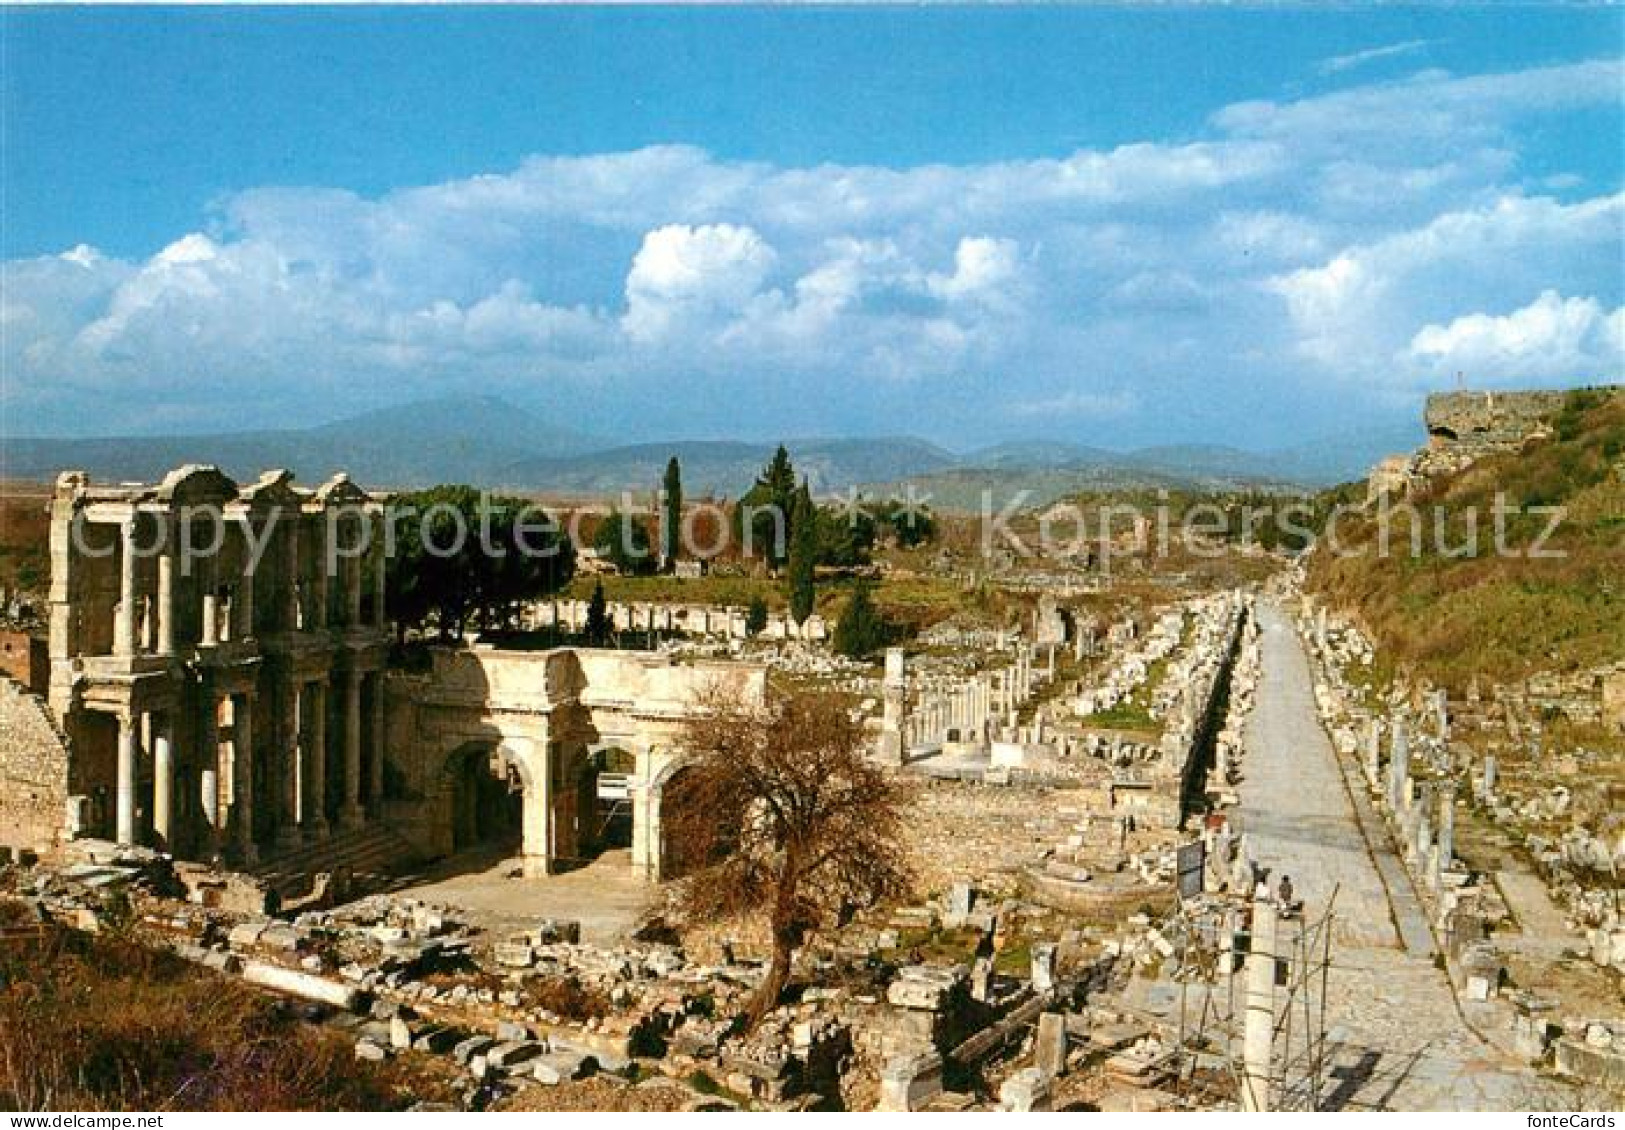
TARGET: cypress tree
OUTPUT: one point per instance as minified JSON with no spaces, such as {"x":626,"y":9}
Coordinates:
{"x":598,"y":625}
{"x":803,"y":552}
{"x":773,"y":495}
{"x":756,"y":616}
{"x":671,"y":529}
{"x":861,"y":630}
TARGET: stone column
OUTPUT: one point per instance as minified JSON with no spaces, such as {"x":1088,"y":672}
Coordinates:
{"x":380,"y":575}
{"x":894,"y":688}
{"x":286,"y":765}
{"x":318,"y":618}
{"x":1373,"y":754}
{"x":242,"y":778}
{"x":126,"y":779}
{"x":163,"y":781}
{"x":290,"y":569}
{"x":1447,"y":823}
{"x":1258,"y":1032}
{"x":350,"y":815}
{"x":1422,"y":830}
{"x":209,"y":776}
{"x":1399,"y":765}
{"x":209,"y":581}
{"x":125,"y":623}
{"x":313,"y":760}
{"x":352,"y":589}
{"x":242,"y":604}
{"x":166,"y":597}
{"x":375,"y":786}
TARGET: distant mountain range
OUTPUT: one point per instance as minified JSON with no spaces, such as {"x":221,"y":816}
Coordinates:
{"x":487,"y":441}
{"x":462,"y":439}
{"x":728,"y":468}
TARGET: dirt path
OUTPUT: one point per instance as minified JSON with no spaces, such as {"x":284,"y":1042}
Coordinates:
{"x":1399,"y":1042}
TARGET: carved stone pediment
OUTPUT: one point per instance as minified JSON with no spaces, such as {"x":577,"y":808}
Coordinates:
{"x":196,"y":484}
{"x":340,"y":490}
{"x":272,"y":490}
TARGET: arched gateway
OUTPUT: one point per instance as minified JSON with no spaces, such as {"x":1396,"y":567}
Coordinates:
{"x":488,"y":737}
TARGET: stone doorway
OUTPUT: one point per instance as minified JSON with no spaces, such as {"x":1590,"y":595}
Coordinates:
{"x":612,"y":818}
{"x":488,"y":800}
{"x":678,"y":854}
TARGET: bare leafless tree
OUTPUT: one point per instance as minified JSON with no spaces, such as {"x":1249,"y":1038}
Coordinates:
{"x":781,"y":814}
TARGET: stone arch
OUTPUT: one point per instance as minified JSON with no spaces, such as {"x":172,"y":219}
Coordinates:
{"x":506,"y":759}
{"x":675,"y":861}
{"x":614,"y":764}
{"x":655,"y":855}
{"x":484,"y":791}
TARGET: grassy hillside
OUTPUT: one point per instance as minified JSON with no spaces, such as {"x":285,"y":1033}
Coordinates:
{"x":1450,"y":613}
{"x":104,"y":1024}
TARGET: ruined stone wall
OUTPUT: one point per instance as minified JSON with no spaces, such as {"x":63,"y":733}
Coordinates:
{"x":1490,"y":418}
{"x":26,"y":659}
{"x":33,"y":771}
{"x":1613,"y":699}
{"x":984,"y":834}
{"x":1464,"y":426}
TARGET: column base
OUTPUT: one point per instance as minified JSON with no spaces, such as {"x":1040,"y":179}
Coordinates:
{"x":288,"y":838}
{"x":352,"y":818}
{"x":316,"y":830}
{"x":247,"y":855}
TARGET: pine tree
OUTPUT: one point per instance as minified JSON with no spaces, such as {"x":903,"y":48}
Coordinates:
{"x":671,"y":540}
{"x":803,"y":553}
{"x":598,"y":624}
{"x":763,"y":517}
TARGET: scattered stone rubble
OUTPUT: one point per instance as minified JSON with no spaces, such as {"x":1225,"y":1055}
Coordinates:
{"x":1414,"y":754}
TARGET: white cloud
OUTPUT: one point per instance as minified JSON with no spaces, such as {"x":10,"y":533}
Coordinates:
{"x":1296,"y":241}
{"x":1571,"y":339}
{"x":694,"y":278}
{"x":985,"y":269}
{"x":1354,"y":311}
{"x":1339,"y":63}
{"x":1078,"y":405}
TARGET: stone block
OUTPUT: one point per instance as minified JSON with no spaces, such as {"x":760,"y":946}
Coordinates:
{"x":908,"y":1082}
{"x":510,"y":1030}
{"x":400,"y":1034}
{"x":925,"y":987}
{"x":437,"y":1040}
{"x":1026,"y":1090}
{"x":1051,"y":1050}
{"x":465,"y":1051}
{"x":512,"y":1055}
{"x":558,"y":1067}
{"x":517,"y":955}
{"x":245,"y":935}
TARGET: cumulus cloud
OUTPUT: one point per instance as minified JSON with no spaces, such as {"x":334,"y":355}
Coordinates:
{"x":1354,"y":311}
{"x":1569,"y":339}
{"x":693,"y":277}
{"x":1295,"y":242}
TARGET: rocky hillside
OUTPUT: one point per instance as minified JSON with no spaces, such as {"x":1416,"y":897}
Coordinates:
{"x":1554,"y":601}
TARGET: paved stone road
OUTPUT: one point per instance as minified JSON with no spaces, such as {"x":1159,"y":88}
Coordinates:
{"x":1398,"y":1040}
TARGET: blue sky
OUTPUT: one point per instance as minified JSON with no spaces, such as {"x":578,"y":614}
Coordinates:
{"x":1106,"y":225}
